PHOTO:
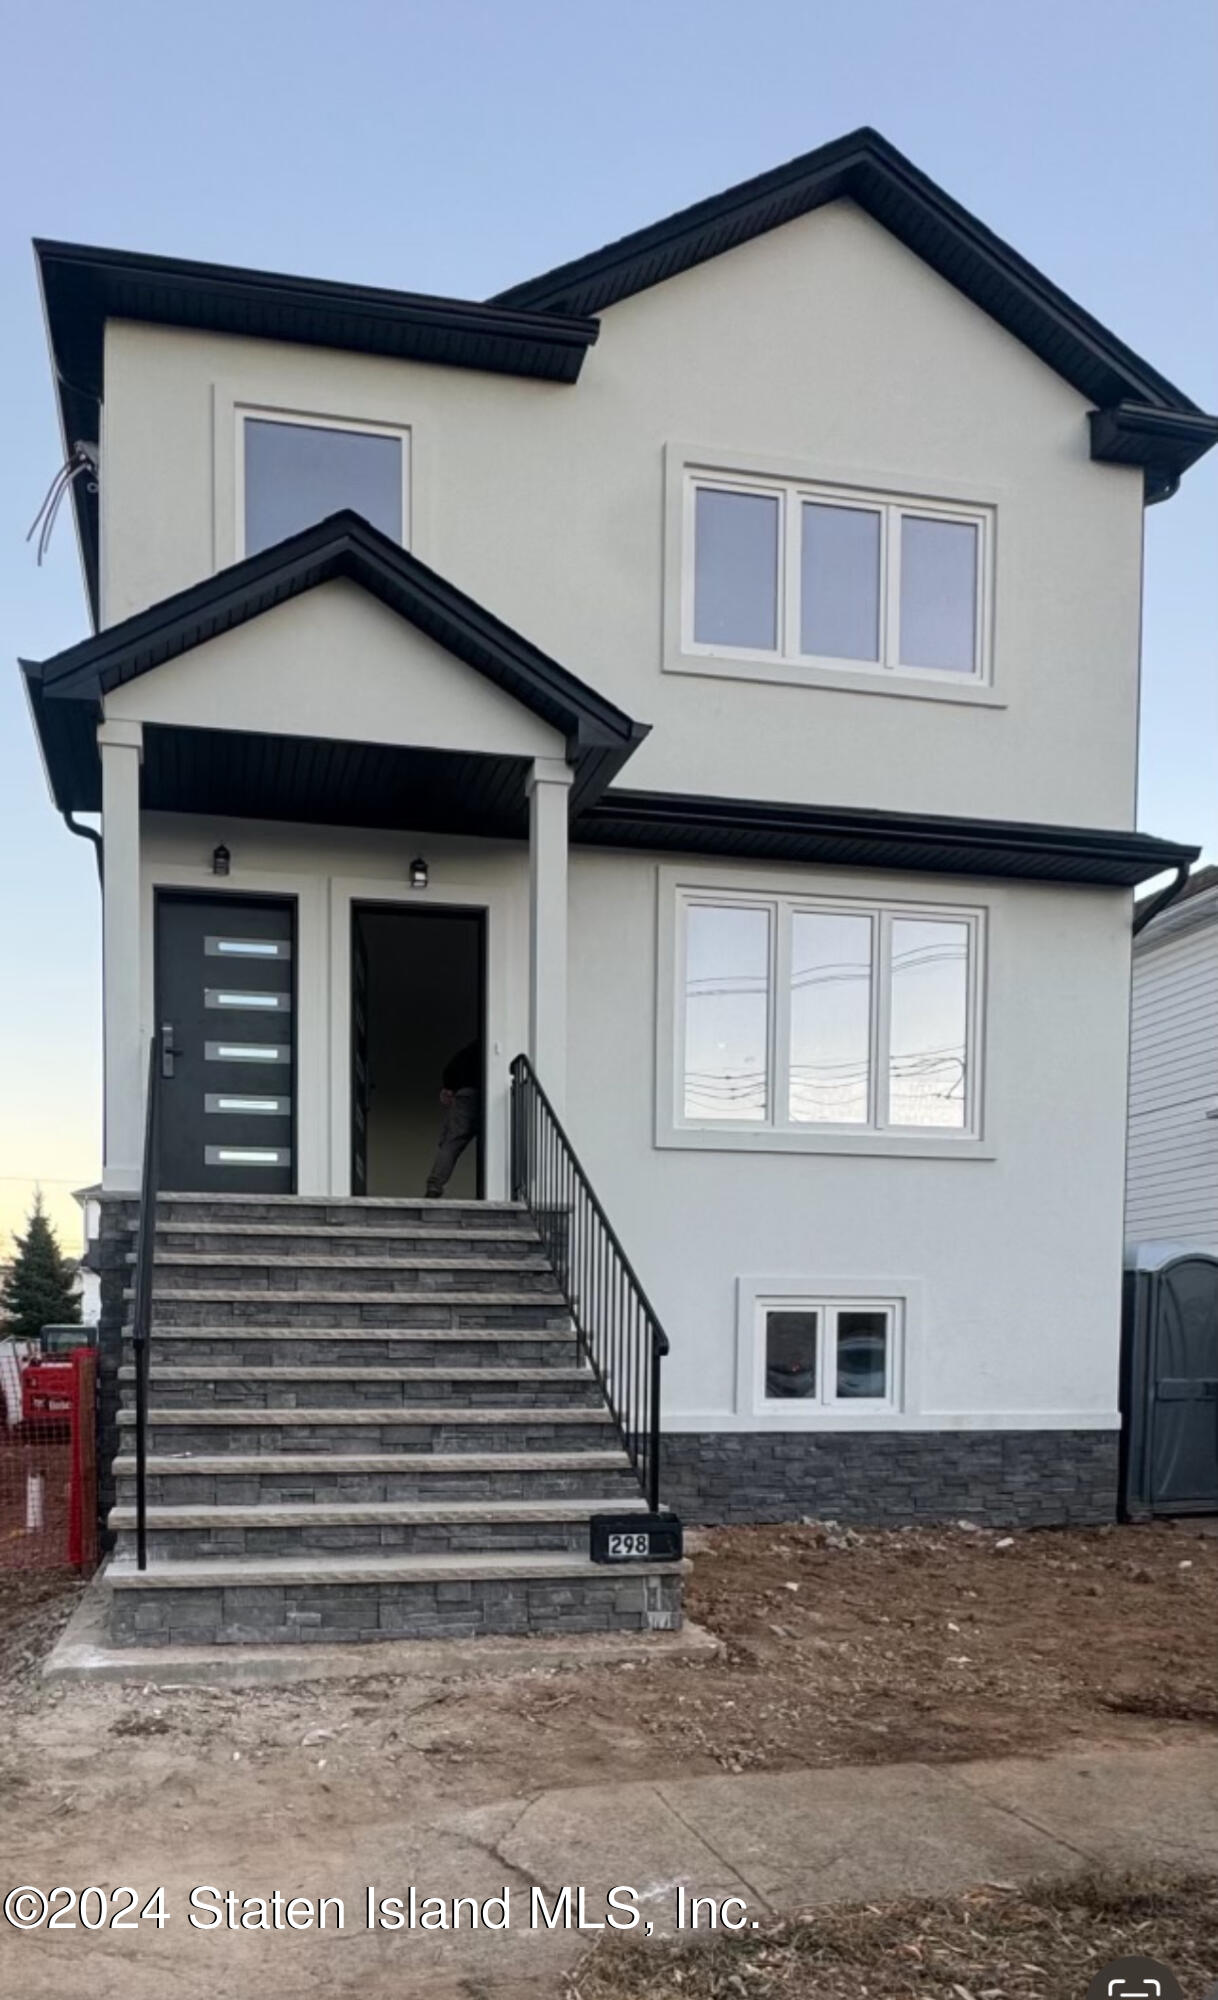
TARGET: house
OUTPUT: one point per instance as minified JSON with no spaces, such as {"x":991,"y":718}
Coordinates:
{"x":711,"y":669}
{"x":1172,"y":1169}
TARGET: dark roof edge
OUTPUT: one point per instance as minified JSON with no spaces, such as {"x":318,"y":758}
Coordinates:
{"x":863,"y":837}
{"x":182,"y":274}
{"x":865,"y":166}
{"x":1164,"y":442}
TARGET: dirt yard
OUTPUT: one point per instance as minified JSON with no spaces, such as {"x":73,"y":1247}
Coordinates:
{"x":839,"y":1647}
{"x":996,"y":1944}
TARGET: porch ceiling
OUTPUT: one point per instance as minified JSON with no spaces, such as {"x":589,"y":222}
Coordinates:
{"x":325,"y":783}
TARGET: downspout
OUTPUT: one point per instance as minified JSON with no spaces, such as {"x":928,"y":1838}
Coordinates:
{"x":1153,"y":908}
{"x":87,"y":833}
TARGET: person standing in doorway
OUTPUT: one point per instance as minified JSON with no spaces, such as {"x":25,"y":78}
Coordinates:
{"x":461,"y":1097}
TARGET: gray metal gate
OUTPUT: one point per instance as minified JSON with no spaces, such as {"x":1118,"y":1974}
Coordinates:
{"x":1169,"y":1383}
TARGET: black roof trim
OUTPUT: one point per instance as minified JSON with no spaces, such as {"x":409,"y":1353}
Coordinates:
{"x":83,"y":286}
{"x":1165,"y":442}
{"x":599,"y":736}
{"x":855,"y":837}
{"x":865,"y":167}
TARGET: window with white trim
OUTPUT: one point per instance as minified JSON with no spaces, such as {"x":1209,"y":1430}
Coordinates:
{"x":832,"y":577}
{"x":797,"y":1014}
{"x":296,"y":470}
{"x":836,"y":1354}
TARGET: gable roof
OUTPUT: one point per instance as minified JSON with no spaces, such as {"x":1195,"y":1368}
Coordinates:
{"x":66,"y":691}
{"x":864,"y":167}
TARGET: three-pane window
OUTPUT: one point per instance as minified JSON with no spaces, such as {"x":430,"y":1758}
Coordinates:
{"x":835,"y":1354}
{"x":800,"y":1015}
{"x":295,"y":474}
{"x":836,"y":578}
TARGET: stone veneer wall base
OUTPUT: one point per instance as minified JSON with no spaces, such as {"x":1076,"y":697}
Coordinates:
{"x":1026,"y":1479}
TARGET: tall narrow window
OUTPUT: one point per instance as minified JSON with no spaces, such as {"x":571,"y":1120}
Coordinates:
{"x":296,"y":474}
{"x":938,"y":595}
{"x":927,"y":1075}
{"x":830,"y":1018}
{"x":727,"y":1009}
{"x":840,"y":582}
{"x":736,"y":569}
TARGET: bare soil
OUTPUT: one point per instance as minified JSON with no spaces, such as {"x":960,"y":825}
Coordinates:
{"x":1045,"y":1943}
{"x":839,"y":1647}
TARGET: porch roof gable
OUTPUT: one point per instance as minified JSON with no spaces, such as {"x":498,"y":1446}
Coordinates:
{"x":67,"y":691}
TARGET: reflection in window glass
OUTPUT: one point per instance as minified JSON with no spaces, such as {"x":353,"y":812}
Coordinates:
{"x":736,"y":569}
{"x":862,"y":1355}
{"x":840,"y":583}
{"x":830,"y":1019}
{"x":296,"y":474}
{"x":790,"y":1353}
{"x":938,"y":594}
{"x":928,"y":1031}
{"x":727,"y":1011}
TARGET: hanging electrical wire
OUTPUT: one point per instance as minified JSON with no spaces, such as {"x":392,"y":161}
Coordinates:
{"x":83,"y":458}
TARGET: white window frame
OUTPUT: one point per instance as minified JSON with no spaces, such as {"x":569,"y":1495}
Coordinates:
{"x":687,"y":468}
{"x":789,"y":1291}
{"x":244,"y":412}
{"x":892,"y":510}
{"x":827,"y":1400}
{"x":778,"y":1132}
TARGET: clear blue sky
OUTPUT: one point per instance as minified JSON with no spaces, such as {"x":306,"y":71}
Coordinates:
{"x":448,"y":146}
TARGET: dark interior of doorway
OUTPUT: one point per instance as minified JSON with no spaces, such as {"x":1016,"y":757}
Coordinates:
{"x":418,"y":981}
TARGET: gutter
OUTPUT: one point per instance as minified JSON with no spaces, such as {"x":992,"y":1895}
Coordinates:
{"x":1158,"y":903}
{"x":87,"y":833}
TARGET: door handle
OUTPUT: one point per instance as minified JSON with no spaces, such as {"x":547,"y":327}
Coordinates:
{"x":168,"y":1051}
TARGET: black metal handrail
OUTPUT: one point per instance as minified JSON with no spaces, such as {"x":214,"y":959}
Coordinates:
{"x":141,"y":1305}
{"x":616,"y":1322}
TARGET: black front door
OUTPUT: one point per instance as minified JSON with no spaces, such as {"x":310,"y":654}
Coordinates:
{"x":225,"y":1015}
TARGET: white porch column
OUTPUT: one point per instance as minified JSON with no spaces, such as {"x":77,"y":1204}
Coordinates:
{"x":122,"y":747}
{"x":548,"y":786}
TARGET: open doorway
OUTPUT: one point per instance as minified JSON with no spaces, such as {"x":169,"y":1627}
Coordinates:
{"x":418,"y":981}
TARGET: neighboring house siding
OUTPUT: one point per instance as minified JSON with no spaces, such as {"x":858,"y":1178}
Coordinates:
{"x":1173,"y":1132}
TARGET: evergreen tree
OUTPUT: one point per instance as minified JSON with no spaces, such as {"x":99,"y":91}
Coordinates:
{"x":37,"y":1291}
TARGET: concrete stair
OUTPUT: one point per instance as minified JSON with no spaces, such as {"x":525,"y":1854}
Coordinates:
{"x":367,"y":1419}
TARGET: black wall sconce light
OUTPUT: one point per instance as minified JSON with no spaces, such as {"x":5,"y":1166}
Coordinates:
{"x":220,"y":860}
{"x":418,"y":873}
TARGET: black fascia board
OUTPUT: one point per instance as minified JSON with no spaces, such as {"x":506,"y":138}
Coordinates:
{"x":1164,"y":442}
{"x":84,"y":286}
{"x":859,"y":837}
{"x":599,"y":736}
{"x":865,"y":167}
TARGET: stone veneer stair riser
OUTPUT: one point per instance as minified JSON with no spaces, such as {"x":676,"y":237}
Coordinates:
{"x":424,"y":1477}
{"x":415,"y":1439}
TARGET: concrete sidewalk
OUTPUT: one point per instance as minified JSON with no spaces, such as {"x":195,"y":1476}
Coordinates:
{"x":804,"y":1838}
{"x":781,"y":1843}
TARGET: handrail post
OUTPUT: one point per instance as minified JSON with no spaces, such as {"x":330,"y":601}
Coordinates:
{"x":612,"y":1314}
{"x":141,"y":1302}
{"x":653,"y":1442}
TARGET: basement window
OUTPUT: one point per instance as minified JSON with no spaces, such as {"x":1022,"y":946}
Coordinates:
{"x":827,"y":1354}
{"x":293,"y":473}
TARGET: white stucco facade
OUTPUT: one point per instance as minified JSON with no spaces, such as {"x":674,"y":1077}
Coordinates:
{"x":822,"y":352}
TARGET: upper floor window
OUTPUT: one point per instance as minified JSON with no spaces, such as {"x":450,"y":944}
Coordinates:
{"x":798,"y":1014}
{"x":294,"y":473}
{"x":834,"y":578}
